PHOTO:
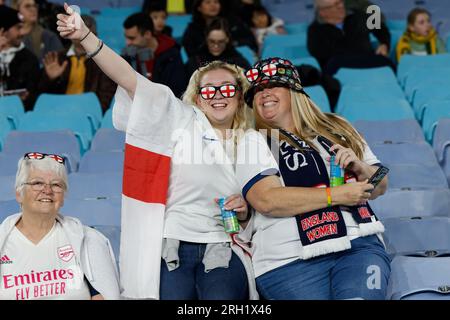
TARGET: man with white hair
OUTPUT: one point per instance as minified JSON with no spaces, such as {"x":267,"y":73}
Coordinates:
{"x":340,"y":38}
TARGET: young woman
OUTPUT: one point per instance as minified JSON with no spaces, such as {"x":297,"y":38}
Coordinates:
{"x":178,"y":159}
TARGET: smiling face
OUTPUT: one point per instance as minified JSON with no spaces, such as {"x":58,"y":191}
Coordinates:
{"x":44,"y":202}
{"x":273,"y":105}
{"x":219,"y":110}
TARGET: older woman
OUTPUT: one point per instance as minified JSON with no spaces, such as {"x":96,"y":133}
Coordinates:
{"x":44,"y":254}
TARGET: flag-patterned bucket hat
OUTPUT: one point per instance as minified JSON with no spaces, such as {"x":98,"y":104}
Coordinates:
{"x":269,"y":72}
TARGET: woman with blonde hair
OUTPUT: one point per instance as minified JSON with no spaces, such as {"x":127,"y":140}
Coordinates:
{"x":314,"y":239}
{"x":179,"y":158}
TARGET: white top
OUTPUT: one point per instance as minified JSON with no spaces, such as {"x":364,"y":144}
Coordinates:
{"x":47,"y":270}
{"x":276,"y":241}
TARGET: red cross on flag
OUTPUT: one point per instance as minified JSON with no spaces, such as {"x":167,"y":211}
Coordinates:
{"x":208,"y":92}
{"x":252,"y":75}
{"x":57,"y":158}
{"x":270,"y":69}
{"x":228,"y":91}
{"x":35,"y":155}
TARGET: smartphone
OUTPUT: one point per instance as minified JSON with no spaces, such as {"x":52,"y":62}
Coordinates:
{"x":376,"y":178}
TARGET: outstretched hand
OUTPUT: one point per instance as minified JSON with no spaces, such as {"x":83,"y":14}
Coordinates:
{"x":70,"y":25}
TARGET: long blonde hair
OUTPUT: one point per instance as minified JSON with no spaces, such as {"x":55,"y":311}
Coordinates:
{"x":310,"y":122}
{"x":243,"y":119}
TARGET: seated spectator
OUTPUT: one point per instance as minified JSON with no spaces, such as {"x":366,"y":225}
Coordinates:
{"x":158,"y":14}
{"x":420,"y":38}
{"x":37,"y":39}
{"x":170,"y":6}
{"x":19,"y":68}
{"x":217,"y":46}
{"x":340,"y":38}
{"x":157,"y":58}
{"x":55,"y":256}
{"x":70,"y":72}
{"x":262,"y":24}
{"x":203,"y":12}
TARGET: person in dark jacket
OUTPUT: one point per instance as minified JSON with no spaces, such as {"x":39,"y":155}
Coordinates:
{"x":69,"y":72}
{"x":157,"y":58}
{"x":203,"y":12}
{"x":340,"y":38}
{"x":19,"y":68}
{"x":217,"y":46}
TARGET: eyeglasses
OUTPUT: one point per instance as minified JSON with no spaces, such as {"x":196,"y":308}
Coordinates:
{"x":219,"y":43}
{"x":39,"y":186}
{"x":227,"y":91}
{"x":40,"y":156}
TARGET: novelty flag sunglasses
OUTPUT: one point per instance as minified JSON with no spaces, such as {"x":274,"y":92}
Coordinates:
{"x":40,"y":156}
{"x":227,"y":91}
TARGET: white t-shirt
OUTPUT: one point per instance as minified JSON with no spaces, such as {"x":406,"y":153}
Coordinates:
{"x":47,"y":270}
{"x":276,"y":241}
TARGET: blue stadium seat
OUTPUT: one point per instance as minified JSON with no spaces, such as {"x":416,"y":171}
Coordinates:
{"x":248,"y":54}
{"x":113,"y":235}
{"x":120,"y":12}
{"x":107,"y":119}
{"x":94,"y":212}
{"x":433,"y":111}
{"x":447,"y":43}
{"x":407,"y":130}
{"x":108,"y":140}
{"x":86,"y":104}
{"x":396,"y":24}
{"x":95,"y":186}
{"x":408,"y":62}
{"x":311,"y":61}
{"x":179,"y":24}
{"x":12,"y":108}
{"x":97,"y":162}
{"x":419,"y":278}
{"x":8,"y":164}
{"x":412,"y":203}
{"x":319,"y":97}
{"x":416,"y":176}
{"x":8,"y":208}
{"x":294,"y":28}
{"x":61,"y":142}
{"x":417,"y":236}
{"x":421,"y":78}
{"x":441,"y":139}
{"x":7,"y":191}
{"x":426,"y":93}
{"x":405,"y":153}
{"x":286,"y":46}
{"x":78,"y":124}
{"x":5,"y":128}
{"x":391,"y":109}
{"x":349,"y":76}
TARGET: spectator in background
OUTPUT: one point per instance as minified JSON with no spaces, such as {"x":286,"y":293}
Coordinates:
{"x":157,"y":58}
{"x":340,"y":38}
{"x":204,"y":11}
{"x":37,"y":39}
{"x":169,"y":5}
{"x":19,"y":68}
{"x":70,"y":72}
{"x":262,"y":24}
{"x":217,"y":46}
{"x":158,"y":14}
{"x":75,"y":262}
{"x":420,"y":38}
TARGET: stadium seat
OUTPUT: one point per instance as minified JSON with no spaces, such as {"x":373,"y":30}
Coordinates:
{"x":286,"y":46}
{"x":395,"y":131}
{"x":427,"y":236}
{"x":12,"y":108}
{"x":423,"y":78}
{"x":78,"y":124}
{"x":441,"y":139}
{"x":98,"y":162}
{"x":347,"y":76}
{"x":5,"y":128}
{"x":179,"y":24}
{"x":94,"y":212}
{"x":8,"y":164}
{"x":396,"y":24}
{"x":62,"y":142}
{"x":7,"y":190}
{"x":88,"y":186}
{"x":8,"y":208}
{"x":113,"y":235}
{"x":405,"y":153}
{"x":311,"y":61}
{"x":121,"y":12}
{"x":419,"y":278}
{"x":416,"y":176}
{"x":408,"y":62}
{"x":427,"y":93}
{"x":107,"y":119}
{"x":319,"y":97}
{"x":248,"y":54}
{"x":86,"y":104}
{"x":294,"y":28}
{"x":108,"y":140}
{"x":433,"y":111}
{"x":412,"y":203}
{"x":391,"y":109}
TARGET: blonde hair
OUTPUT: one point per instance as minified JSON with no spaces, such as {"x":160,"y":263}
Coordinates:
{"x":15,"y":4}
{"x":310,"y":122}
{"x":243,"y":119}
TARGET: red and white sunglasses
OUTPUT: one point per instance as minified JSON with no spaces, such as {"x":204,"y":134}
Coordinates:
{"x":227,"y":91}
{"x":269,"y":70}
{"x":40,"y":156}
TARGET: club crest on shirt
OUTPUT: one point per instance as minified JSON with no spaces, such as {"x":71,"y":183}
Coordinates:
{"x":66,"y":253}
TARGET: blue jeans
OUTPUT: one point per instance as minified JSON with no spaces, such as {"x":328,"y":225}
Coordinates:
{"x":361,"y":272}
{"x":190,"y":282}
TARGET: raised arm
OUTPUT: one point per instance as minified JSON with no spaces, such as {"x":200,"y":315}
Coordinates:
{"x":71,"y":26}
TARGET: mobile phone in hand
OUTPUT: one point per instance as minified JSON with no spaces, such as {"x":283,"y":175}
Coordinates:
{"x":376,"y":178}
